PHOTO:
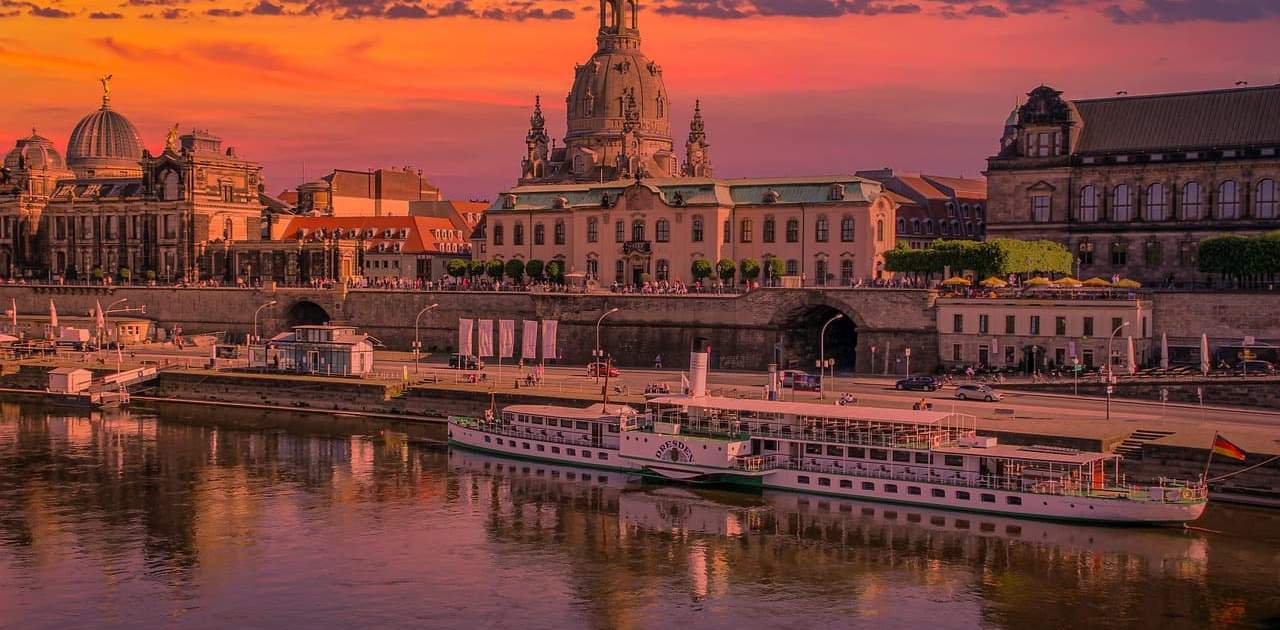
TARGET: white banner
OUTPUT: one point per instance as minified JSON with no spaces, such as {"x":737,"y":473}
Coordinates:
{"x":529,"y":341}
{"x":484,"y":337}
{"x":506,"y":338}
{"x":464,"y":336}
{"x":549,"y":338}
{"x":1071,"y":349}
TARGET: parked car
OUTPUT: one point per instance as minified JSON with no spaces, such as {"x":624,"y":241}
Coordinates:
{"x":923,"y":383}
{"x":599,"y":369}
{"x":1255,"y":366}
{"x":977,"y":392}
{"x":465,"y":362}
{"x":790,"y":377}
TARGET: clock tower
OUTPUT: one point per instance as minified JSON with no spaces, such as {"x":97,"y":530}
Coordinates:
{"x":697,"y":160}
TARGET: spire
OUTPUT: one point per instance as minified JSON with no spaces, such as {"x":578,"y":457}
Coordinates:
{"x":106,"y":91}
{"x":536,"y":121}
{"x":619,"y":25}
{"x":697,"y":153}
{"x":697,"y":129}
{"x":534,"y":164}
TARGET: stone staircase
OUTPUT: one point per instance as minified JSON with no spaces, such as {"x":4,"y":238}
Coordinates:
{"x":1131,"y":447}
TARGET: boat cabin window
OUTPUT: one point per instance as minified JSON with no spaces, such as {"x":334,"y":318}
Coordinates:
{"x":953,"y":460}
{"x":857,"y":451}
{"x":845,"y":483}
{"x":938,"y":493}
{"x":880,"y":454}
{"x":582,"y":425}
{"x":570,"y":451}
{"x":536,"y":420}
{"x":835,"y":451}
{"x":867,"y":485}
{"x":771,"y":445}
{"x":812,"y":449}
{"x":555,"y":449}
{"x":613,"y":428}
{"x":802,"y":479}
{"x":890,"y":487}
{"x":913,"y":490}
{"x":1013,"y":500}
{"x":988,"y":498}
{"x":962,"y":495}
{"x":902,"y":456}
{"x":922,"y":458}
{"x":824,"y":481}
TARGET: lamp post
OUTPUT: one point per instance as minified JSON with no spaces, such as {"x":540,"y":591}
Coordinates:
{"x":599,"y":354}
{"x":822,"y":355}
{"x":1111,"y":365}
{"x":417,"y":344}
{"x":255,"y":316}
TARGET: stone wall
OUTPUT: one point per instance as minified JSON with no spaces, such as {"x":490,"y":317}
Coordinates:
{"x":1250,"y":392}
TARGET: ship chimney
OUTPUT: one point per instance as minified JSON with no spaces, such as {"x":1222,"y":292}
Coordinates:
{"x":698,"y":361}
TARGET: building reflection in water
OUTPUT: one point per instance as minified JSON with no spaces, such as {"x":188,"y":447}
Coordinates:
{"x":210,"y":512}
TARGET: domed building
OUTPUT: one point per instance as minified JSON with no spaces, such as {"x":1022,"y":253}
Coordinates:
{"x":105,"y":144}
{"x":33,"y":166}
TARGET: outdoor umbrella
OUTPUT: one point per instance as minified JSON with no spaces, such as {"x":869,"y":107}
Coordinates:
{"x":1069,"y":282}
{"x":1164,"y":351}
{"x":1204,"y":353}
{"x":1096,"y":282}
{"x":1127,"y":284}
{"x":994,"y":283}
{"x":956,"y":281}
{"x":1133,"y":362}
{"x":1039,"y":281}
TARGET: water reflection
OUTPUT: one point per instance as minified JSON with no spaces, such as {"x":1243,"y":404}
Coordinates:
{"x":211,"y":518}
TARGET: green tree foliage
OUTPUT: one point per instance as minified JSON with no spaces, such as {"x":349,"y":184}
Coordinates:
{"x":534,"y":269}
{"x":701,"y":269}
{"x":476,"y":268}
{"x":750,"y":268}
{"x":515,"y":269}
{"x":457,"y":267}
{"x":774,"y":268}
{"x":124,"y":274}
{"x":725,"y":269}
{"x":997,"y":257}
{"x":1246,"y":261}
{"x":555,"y":271}
{"x":494,"y":269}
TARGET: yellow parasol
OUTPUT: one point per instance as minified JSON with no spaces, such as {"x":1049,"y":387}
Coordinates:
{"x":1096,"y":282}
{"x":1038,"y":281}
{"x":956,"y":281}
{"x":1127,"y":284}
{"x":994,"y":283}
{"x":1068,"y":282}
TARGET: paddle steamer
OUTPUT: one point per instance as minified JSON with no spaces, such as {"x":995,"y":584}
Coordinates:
{"x":916,"y":457}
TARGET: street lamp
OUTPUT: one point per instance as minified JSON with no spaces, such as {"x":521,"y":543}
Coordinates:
{"x":822,"y":355}
{"x":255,"y":316}
{"x":1111,"y":365}
{"x":417,"y":344}
{"x":599,"y":354}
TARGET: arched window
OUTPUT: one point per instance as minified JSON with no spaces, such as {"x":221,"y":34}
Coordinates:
{"x":745,"y":229}
{"x":593,"y":230}
{"x":637,"y":230}
{"x":518,"y":237}
{"x":820,"y":229}
{"x":955,"y":228}
{"x":820,"y":272}
{"x":1157,"y":203}
{"x":728,"y":231}
{"x":559,"y":232}
{"x":1192,"y":202}
{"x":793,"y":231}
{"x":902,"y":224}
{"x":1228,"y":200}
{"x":497,"y":233}
{"x":769,"y":227}
{"x":1089,"y":204}
{"x":662,"y":231}
{"x":1266,"y":205}
{"x":915,"y":226}
{"x":539,"y":234}
{"x":946,"y":228}
{"x":228,"y":230}
{"x":846,"y":272}
{"x":1122,"y":203}
{"x":928,"y":226}
{"x":697,"y":229}
{"x":619,"y":231}
{"x":663,"y":270}
{"x":593,"y":267}
{"x":846,"y":229}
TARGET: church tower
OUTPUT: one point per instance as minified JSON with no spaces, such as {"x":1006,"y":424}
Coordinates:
{"x":534,"y":164}
{"x":697,"y":153}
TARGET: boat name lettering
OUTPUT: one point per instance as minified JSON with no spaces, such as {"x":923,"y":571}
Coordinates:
{"x":675,"y":451}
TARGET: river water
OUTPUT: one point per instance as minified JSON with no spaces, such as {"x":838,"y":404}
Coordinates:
{"x":187,"y":517}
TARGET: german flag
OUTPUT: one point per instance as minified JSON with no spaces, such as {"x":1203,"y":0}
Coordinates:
{"x":1222,"y":446}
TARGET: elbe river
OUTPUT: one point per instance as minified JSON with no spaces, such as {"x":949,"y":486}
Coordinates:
{"x":200,"y":517}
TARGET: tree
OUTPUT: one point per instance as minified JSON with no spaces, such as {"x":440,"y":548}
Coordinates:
{"x":997,"y":257}
{"x":515,"y":269}
{"x":494,"y":269}
{"x":1248,"y":261}
{"x":476,"y":268}
{"x":98,"y":273}
{"x":534,"y":269}
{"x":457,"y":267}
{"x":725,"y":269}
{"x":701,"y":269}
{"x":151,"y":275}
{"x":555,"y":271}
{"x":750,"y":268}
{"x":124,"y":273}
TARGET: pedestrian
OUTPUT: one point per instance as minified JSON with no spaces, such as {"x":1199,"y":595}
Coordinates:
{"x":657,"y":362}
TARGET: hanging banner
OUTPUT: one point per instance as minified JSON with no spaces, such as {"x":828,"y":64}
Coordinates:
{"x":464,"y":336}
{"x":506,"y":338}
{"x":529,"y":341}
{"x":549,"y":338}
{"x":484,"y":337}
{"x":1071,"y":349}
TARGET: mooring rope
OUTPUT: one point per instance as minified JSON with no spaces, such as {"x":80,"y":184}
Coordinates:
{"x":1243,"y":470}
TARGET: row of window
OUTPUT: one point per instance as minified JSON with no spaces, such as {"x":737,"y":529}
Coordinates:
{"x":945,"y":228}
{"x":1035,"y":355}
{"x":892,"y":488}
{"x":111,"y":227}
{"x":1157,"y":202}
{"x":662,"y":231}
{"x":542,"y":448}
{"x":539,"y":234}
{"x":662,"y":270}
{"x":1153,"y":252}
{"x":1033,"y":325}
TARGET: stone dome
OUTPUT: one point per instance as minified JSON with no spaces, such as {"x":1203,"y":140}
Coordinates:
{"x":104,"y":143}
{"x":34,"y":153}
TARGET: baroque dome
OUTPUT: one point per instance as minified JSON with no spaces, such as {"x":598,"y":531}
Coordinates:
{"x":34,"y":153}
{"x":104,"y":143}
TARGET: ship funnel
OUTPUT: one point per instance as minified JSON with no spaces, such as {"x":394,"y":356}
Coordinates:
{"x":699,"y":359}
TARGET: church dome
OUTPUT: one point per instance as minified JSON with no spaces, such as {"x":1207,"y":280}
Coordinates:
{"x":104,"y":143}
{"x":34,"y":153}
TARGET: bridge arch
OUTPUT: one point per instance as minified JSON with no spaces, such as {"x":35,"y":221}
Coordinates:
{"x":306,"y":312}
{"x":798,"y":334}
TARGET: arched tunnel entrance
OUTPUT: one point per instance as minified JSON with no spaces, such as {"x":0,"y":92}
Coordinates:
{"x":305,"y":313}
{"x":800,"y":343}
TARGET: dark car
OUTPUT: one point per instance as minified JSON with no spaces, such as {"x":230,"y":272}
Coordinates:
{"x":465,"y":362}
{"x":923,"y":383}
{"x":1255,"y":366}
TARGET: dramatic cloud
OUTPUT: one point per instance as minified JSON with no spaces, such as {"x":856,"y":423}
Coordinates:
{"x":985,"y":10}
{"x":101,"y":15}
{"x":50,"y":12}
{"x":1192,"y":10}
{"x":266,"y":8}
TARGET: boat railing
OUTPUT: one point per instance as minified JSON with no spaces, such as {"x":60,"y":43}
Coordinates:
{"x":869,"y":439}
{"x":528,"y":434}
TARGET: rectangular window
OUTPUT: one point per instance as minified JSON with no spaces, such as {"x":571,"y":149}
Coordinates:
{"x":1010,"y":324}
{"x":913,"y":490}
{"x":582,"y":426}
{"x":857,"y":451}
{"x":812,"y":449}
{"x":988,"y":498}
{"x":922,"y":458}
{"x":746,"y":231}
{"x":867,"y":485}
{"x":1116,"y":322}
{"x":525,"y":445}
{"x":593,"y":230}
{"x":486,"y":438}
{"x":957,"y":323}
{"x":619,"y":231}
{"x":1035,"y":324}
{"x":984,"y":324}
{"x":962,"y":495}
{"x":953,"y":460}
{"x":555,"y":450}
{"x":1040,"y":208}
{"x":802,"y":479}
{"x":957,"y":353}
{"x":938,"y":493}
{"x":1013,"y":500}
{"x":1059,"y":325}
{"x":890,"y":487}
{"x":767,"y":235}
{"x":835,"y":451}
{"x":824,"y":481}
{"x":603,"y":455}
{"x":847,"y":484}
{"x":1088,"y":327}
{"x":570,"y":452}
{"x":535,"y":420}
{"x":902,"y":456}
{"x":541,"y":448}
{"x":728,"y":232}
{"x":880,"y":454}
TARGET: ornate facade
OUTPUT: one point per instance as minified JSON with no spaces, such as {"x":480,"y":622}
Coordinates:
{"x":1132,"y":183}
{"x":114,"y":209}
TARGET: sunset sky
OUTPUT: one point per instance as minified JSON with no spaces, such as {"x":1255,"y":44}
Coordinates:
{"x":788,"y":86}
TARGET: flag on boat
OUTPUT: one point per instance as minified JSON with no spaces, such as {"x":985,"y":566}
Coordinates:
{"x":464,"y":336}
{"x":549,"y":327}
{"x":529,"y":340}
{"x":484,"y":337}
{"x":506,"y":338}
{"x":1222,"y":446}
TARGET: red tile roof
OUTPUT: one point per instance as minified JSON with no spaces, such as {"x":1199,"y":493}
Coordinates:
{"x":431,"y":235}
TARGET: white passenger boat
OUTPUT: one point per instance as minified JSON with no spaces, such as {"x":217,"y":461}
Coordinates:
{"x":893,"y":455}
